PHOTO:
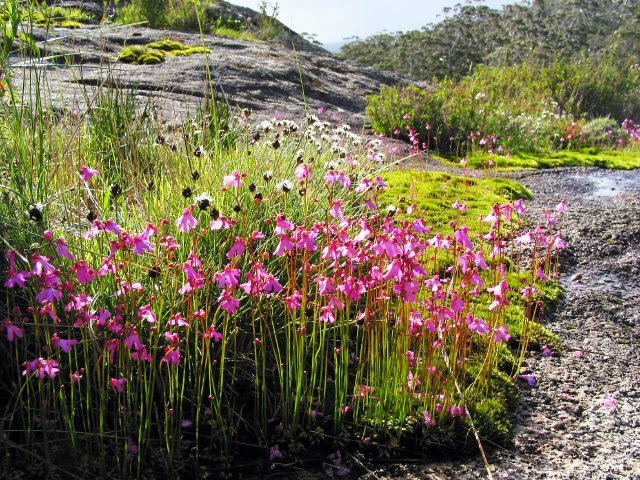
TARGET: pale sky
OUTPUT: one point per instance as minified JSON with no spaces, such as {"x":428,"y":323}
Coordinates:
{"x":334,"y":20}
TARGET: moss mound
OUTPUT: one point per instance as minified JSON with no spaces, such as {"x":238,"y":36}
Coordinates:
{"x":155,"y":52}
{"x":139,"y":55}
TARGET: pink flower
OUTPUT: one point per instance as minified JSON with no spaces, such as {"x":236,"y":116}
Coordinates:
{"x":228,"y":302}
{"x":427,"y":419}
{"x":145,"y":313}
{"x":282,"y":225}
{"x":274,"y":452}
{"x":307,"y":240}
{"x":11,"y":330}
{"x":227,"y":277}
{"x":87,"y":172}
{"x":462,"y":236}
{"x":285,"y":245}
{"x":64,"y":345}
{"x":41,"y":367}
{"x":609,"y":402}
{"x":232,"y":180}
{"x":62,"y":250}
{"x":501,"y":334}
{"x":562,"y":206}
{"x":272,"y":285}
{"x":41,"y":266}
{"x":132,"y":448}
{"x":18,"y":279}
{"x":48,"y":295}
{"x":302,"y":171}
{"x":237,"y":248}
{"x":132,"y":341}
{"x":178,"y":321}
{"x":186,"y":221}
{"x":118,"y":384}
{"x":141,"y":245}
{"x":530,"y":379}
{"x":294,"y":301}
{"x":171,"y":355}
{"x":211,"y":333}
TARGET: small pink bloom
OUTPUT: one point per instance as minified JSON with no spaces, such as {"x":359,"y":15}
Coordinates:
{"x":186,"y":221}
{"x":232,"y":180}
{"x":530,"y":379}
{"x":302,"y":171}
{"x":118,"y":384}
{"x":171,"y":355}
{"x":609,"y":402}
{"x":11,"y":330}
{"x":87,"y":172}
{"x":62,"y":344}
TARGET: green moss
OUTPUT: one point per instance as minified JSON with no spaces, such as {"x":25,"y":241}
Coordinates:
{"x":491,"y":419}
{"x":167,"y":45}
{"x":139,"y":55}
{"x":434,"y":192}
{"x":588,"y":157}
{"x":155,"y":52}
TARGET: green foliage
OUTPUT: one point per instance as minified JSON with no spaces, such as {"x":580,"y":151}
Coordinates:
{"x":202,"y":16}
{"x":523,"y":108}
{"x":56,"y":16}
{"x":477,"y":35}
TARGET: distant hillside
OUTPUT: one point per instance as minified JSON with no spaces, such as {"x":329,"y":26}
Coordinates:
{"x":541,"y":31}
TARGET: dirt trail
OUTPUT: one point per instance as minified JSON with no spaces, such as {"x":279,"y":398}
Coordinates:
{"x":565,"y":428}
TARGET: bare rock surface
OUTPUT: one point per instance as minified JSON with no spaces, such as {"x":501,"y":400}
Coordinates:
{"x":270,"y":79}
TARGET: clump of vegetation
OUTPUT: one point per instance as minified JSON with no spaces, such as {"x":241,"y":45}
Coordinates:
{"x":230,"y":290}
{"x":156,"y":52}
{"x":504,"y":110}
{"x":207,"y":17}
{"x":57,"y":16}
{"x":141,"y":55}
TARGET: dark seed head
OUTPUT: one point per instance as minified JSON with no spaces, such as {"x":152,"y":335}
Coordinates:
{"x":154,"y":272}
{"x":186,"y":192}
{"x":151,"y":185}
{"x":35,"y":212}
{"x":198,"y":151}
{"x":115,"y":190}
{"x":215,"y":214}
{"x":237,"y":209}
{"x":258,"y":196}
{"x":302,"y":192}
{"x":203,"y":203}
{"x":252,"y":187}
{"x":276,"y":144}
{"x":91,"y":216}
{"x":256,"y":137}
{"x":195,"y":175}
{"x":160,"y":140}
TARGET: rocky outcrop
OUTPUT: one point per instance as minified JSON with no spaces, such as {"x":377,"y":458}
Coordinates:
{"x":267,"y":78}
